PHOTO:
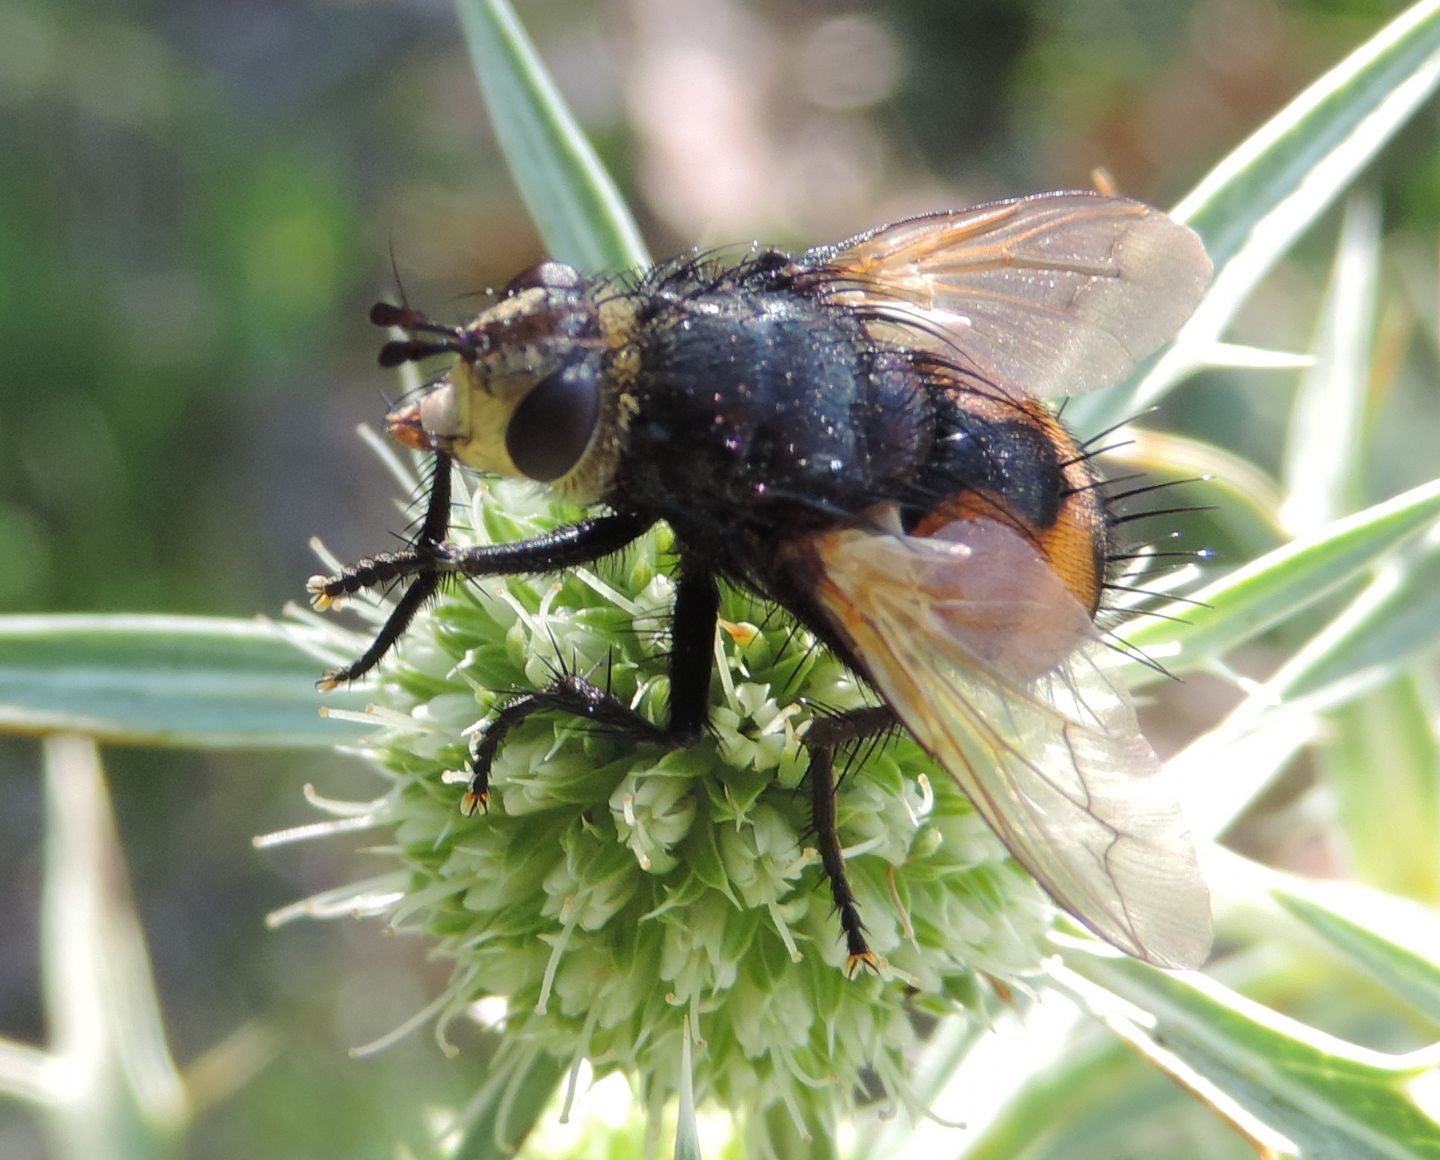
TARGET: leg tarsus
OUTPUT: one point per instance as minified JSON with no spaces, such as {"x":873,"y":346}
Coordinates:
{"x":825,"y":736}
{"x":418,"y":561}
{"x":421,"y":589}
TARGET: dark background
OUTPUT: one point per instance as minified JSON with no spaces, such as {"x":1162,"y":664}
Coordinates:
{"x":198,"y":202}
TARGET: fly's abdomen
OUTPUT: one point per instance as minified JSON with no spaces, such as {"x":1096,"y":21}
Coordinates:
{"x":1012,"y":461}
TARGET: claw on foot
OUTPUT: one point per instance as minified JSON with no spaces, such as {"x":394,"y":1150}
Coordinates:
{"x":321,"y":599}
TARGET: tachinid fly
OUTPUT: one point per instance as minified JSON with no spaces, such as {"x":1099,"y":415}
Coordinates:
{"x":855,"y":434}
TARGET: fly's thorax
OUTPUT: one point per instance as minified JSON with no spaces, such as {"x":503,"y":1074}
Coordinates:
{"x":739,"y":397}
{"x":526,"y":396}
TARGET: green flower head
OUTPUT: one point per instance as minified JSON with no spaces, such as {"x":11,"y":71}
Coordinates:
{"x":620,"y":897}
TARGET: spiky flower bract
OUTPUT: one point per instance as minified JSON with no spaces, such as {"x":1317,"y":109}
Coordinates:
{"x":619,"y":896}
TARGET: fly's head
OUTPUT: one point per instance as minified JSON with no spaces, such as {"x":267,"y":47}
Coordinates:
{"x":525,"y":395}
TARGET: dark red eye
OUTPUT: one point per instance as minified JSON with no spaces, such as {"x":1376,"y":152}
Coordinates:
{"x":552,"y":426}
{"x":550,"y":274}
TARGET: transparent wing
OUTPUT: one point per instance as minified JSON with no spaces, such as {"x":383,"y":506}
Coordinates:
{"x":1048,"y":295}
{"x":998,"y":672}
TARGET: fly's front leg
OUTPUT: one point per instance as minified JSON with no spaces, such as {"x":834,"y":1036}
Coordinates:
{"x":692,"y":647}
{"x":416,"y":562}
{"x":825,"y":736}
{"x":431,"y":558}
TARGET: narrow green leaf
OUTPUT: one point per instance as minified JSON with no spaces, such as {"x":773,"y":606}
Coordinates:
{"x":125,"y":1097}
{"x":1365,"y":646}
{"x":1244,"y":357}
{"x":1319,"y":141}
{"x":1330,"y":1098}
{"x":1223,"y":770}
{"x":1073,"y":1105}
{"x":165,"y":680}
{"x":1327,"y":418}
{"x":1380,"y":760}
{"x":28,"y":1074}
{"x":1280,"y":583}
{"x":1223,"y":479}
{"x":687,"y":1129}
{"x":1395,"y":620}
{"x":570,"y":196}
{"x":507,"y":1108}
{"x":1393,"y":939}
{"x":1254,"y":204}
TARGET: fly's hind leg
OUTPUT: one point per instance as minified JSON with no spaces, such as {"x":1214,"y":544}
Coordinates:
{"x":692,"y":639}
{"x":825,"y":736}
{"x":568,"y":693}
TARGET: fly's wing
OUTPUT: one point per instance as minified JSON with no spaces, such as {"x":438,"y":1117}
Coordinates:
{"x":998,"y":672}
{"x":1048,"y":295}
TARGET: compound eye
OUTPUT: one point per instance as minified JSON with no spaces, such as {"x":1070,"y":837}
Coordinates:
{"x":550,"y":275}
{"x":553,"y":424}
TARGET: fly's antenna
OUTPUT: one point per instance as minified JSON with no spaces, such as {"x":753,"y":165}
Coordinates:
{"x":446,"y":340}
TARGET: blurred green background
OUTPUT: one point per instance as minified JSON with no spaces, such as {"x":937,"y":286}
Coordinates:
{"x":199,"y":200}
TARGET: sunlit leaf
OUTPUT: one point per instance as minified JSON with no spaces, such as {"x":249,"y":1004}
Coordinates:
{"x":164,"y":680}
{"x":571,"y":197}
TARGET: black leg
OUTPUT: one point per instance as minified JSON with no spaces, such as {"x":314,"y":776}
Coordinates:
{"x":429,"y":559}
{"x":567,"y":547}
{"x":427,"y":580}
{"x":570,"y":693}
{"x":420,"y":590}
{"x":825,"y":736}
{"x":692,"y":650}
{"x":692,"y":639}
